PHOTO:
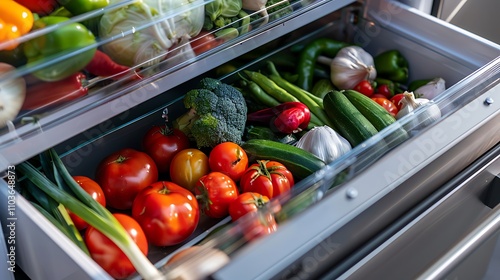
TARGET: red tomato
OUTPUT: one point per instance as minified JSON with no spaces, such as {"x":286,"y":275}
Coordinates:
{"x":384,"y":90}
{"x":261,"y":225}
{"x":94,"y":190}
{"x":269,"y":178}
{"x":215,"y":191}
{"x":187,"y":167}
{"x":387,"y":104}
{"x":245,"y":203}
{"x":204,"y":41}
{"x":396,"y":100}
{"x":41,"y":7}
{"x":167,"y":212}
{"x":230,"y":159}
{"x":365,"y":88}
{"x":123,"y":174}
{"x":111,"y":258}
{"x":162,"y":143}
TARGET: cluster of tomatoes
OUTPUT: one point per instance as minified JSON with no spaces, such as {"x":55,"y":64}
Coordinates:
{"x":160,"y":192}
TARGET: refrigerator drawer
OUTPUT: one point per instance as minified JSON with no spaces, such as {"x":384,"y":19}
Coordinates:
{"x":456,"y":237}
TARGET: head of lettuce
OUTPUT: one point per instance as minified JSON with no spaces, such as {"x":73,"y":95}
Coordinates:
{"x":143,"y":33}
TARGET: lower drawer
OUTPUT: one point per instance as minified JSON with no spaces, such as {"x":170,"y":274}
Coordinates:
{"x":455,"y":238}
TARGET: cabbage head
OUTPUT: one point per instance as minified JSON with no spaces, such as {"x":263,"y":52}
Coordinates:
{"x":152,"y":27}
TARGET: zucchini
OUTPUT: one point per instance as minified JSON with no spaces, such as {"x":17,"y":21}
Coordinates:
{"x":300,"y":162}
{"x":348,"y":120}
{"x":376,"y":115}
{"x":322,"y":87}
{"x":374,"y":112}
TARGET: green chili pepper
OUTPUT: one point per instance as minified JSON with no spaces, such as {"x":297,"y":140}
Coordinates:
{"x":309,"y":55}
{"x":77,"y":7}
{"x":64,"y":40}
{"x":392,"y":65}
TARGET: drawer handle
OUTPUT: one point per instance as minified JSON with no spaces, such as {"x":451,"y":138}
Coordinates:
{"x":489,"y":226}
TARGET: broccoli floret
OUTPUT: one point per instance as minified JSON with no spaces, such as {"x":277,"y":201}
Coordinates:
{"x":217,"y":113}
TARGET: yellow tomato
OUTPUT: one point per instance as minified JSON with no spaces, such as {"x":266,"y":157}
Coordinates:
{"x":188,"y":166}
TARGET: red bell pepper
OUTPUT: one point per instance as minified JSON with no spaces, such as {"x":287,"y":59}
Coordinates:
{"x":288,"y":117}
{"x":44,"y":94}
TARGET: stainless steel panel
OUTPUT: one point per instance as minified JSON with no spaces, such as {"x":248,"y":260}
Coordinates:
{"x":454,"y":238}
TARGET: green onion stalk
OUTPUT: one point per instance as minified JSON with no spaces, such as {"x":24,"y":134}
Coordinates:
{"x":93,"y":213}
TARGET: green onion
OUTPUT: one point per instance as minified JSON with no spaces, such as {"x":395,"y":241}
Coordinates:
{"x":105,"y":223}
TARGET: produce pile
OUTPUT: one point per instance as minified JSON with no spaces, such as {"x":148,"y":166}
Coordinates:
{"x":55,"y":51}
{"x":237,"y":148}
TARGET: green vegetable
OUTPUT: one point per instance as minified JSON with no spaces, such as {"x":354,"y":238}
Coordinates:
{"x":270,"y":87}
{"x":77,"y":7}
{"x":258,"y":94}
{"x":300,"y":162}
{"x":217,"y":113}
{"x":95,"y":215}
{"x":376,"y":114}
{"x":223,"y":8}
{"x":309,"y":55}
{"x":265,"y":132}
{"x":278,"y":8}
{"x":67,"y":40}
{"x":347,"y":119}
{"x":322,"y":87}
{"x":392,"y":65}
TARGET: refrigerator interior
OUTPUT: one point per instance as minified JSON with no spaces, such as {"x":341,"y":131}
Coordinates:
{"x":415,"y":34}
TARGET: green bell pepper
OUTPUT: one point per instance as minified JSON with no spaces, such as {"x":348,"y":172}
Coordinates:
{"x":78,"y":7}
{"x":392,"y":65}
{"x":65,"y":40}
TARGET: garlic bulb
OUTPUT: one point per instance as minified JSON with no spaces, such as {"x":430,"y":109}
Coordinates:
{"x":350,"y":66}
{"x":325,"y":143}
{"x":431,"y":89}
{"x":425,"y":118}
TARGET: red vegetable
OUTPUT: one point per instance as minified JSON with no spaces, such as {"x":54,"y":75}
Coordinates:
{"x":123,"y":174}
{"x":162,"y":143}
{"x":167,"y":212}
{"x":215,"y":191}
{"x":365,"y":88}
{"x":269,"y":178}
{"x":102,"y":65}
{"x":245,"y":203}
{"x":111,"y":258}
{"x":288,"y":117}
{"x":384,"y":90}
{"x":387,"y":104}
{"x":41,"y":7}
{"x":44,"y":94}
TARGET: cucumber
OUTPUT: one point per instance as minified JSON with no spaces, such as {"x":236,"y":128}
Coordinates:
{"x":322,"y":87}
{"x":300,"y":162}
{"x":374,"y":112}
{"x":348,"y":120}
{"x":376,"y":115}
